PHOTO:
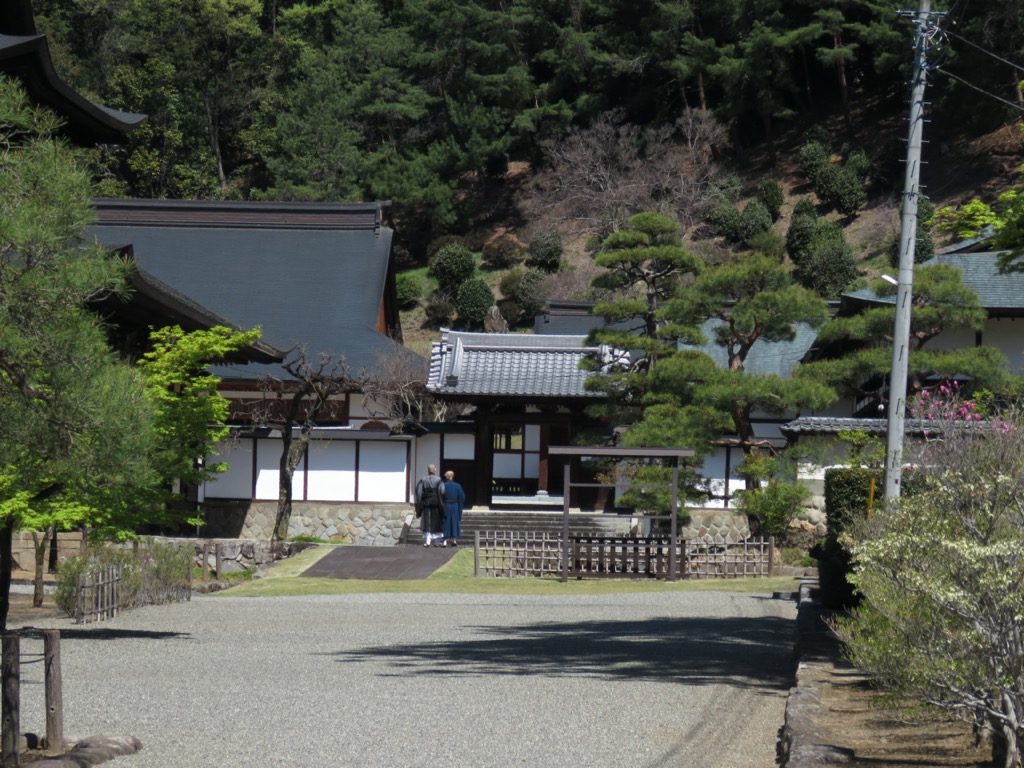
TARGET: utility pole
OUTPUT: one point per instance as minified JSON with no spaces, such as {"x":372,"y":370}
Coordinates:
{"x":905,"y":280}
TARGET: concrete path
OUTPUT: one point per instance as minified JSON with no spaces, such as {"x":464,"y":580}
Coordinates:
{"x":694,"y":680}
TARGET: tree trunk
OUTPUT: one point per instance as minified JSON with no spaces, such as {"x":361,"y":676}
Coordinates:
{"x":292,"y":451}
{"x":41,"y":546}
{"x":6,"y":564}
{"x":844,"y":90}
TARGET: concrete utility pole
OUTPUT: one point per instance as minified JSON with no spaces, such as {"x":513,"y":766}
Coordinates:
{"x":905,"y":281}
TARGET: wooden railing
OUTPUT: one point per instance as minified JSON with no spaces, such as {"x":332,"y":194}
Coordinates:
{"x":512,"y":554}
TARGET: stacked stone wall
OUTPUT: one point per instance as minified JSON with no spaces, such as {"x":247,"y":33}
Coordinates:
{"x":371,"y":524}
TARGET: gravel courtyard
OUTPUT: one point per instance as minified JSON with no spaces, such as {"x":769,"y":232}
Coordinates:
{"x":656,"y":680}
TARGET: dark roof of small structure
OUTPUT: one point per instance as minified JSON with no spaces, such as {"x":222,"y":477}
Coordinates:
{"x":1002,"y":295}
{"x":511,"y":365}
{"x":308,"y":274}
{"x":25,"y":56}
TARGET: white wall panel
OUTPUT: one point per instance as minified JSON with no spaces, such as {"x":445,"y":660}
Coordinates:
{"x":382,"y":471}
{"x":332,"y":471}
{"x":236,"y":483}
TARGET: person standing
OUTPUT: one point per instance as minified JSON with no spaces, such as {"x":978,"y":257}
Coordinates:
{"x":430,"y":506}
{"x":454,"y":501}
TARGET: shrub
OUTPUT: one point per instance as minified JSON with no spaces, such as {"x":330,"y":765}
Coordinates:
{"x":523,"y":288}
{"x":503,"y":252}
{"x":828,"y":268}
{"x":818,"y":134}
{"x":438,"y":243}
{"x":803,"y":228}
{"x":773,"y":506}
{"x":726,"y":221}
{"x":841,"y":189}
{"x":409,"y":288}
{"x":754,"y":220}
{"x":770,"y":193}
{"x":967,"y":221}
{"x":546,"y":249}
{"x":770,"y":244}
{"x":154,"y":574}
{"x":451,"y":267}
{"x":439,"y":309}
{"x":814,"y":161}
{"x":472,"y":301}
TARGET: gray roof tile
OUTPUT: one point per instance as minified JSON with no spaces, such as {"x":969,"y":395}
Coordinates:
{"x":509,"y":365}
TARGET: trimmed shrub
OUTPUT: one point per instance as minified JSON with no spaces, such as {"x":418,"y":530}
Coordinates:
{"x":814,"y":161}
{"x":409,"y":288}
{"x":522,"y":287}
{"x":803,"y":228}
{"x":726,"y":220}
{"x":827,"y":268}
{"x":451,"y":267}
{"x":438,"y":243}
{"x":472,"y":301}
{"x":503,"y":252}
{"x":773,"y":506}
{"x":770,"y":193}
{"x":546,"y":249}
{"x":754,"y":220}
{"x":847,"y":493}
{"x":841,"y":189}
{"x":770,"y":244}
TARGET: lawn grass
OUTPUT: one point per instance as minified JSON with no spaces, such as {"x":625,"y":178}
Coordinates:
{"x":456,"y":577}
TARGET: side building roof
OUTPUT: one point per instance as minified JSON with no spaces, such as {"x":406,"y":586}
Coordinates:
{"x":511,"y":366}
{"x":315,"y":275}
{"x":1001,"y":295}
{"x":25,"y":56}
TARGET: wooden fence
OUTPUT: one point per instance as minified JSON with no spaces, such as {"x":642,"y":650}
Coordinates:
{"x":511,"y":554}
{"x":99,"y":593}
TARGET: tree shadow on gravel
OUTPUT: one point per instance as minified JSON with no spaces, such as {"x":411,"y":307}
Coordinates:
{"x":104,"y":633}
{"x":695,"y":651}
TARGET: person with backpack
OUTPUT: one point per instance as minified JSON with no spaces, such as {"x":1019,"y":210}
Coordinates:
{"x":430,"y":506}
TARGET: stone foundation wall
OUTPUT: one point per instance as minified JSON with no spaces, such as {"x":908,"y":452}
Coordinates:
{"x":372,"y":524}
{"x":235,"y":554}
{"x":716,"y":526}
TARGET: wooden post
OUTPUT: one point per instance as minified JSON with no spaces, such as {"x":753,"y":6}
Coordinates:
{"x":565,"y":520}
{"x":206,"y":561}
{"x":674,"y":538}
{"x":218,"y":558}
{"x":54,"y":692}
{"x":476,"y":553}
{"x":771,"y":556}
{"x":10,"y":670}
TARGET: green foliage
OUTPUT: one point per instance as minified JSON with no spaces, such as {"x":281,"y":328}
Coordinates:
{"x":546,"y":249}
{"x":435,"y":245}
{"x":814,"y":161}
{"x":842,"y":189}
{"x":828,"y":268}
{"x":452,"y":266}
{"x":522,"y":286}
{"x":473,"y":300}
{"x":439,"y":309}
{"x":966,"y":221}
{"x":409,"y":289}
{"x":773,"y":502}
{"x":940,"y":573}
{"x":503,"y":252}
{"x":152,"y":574}
{"x":190,"y":415}
{"x":769,"y":244}
{"x":770,"y":193}
{"x":847,"y":496}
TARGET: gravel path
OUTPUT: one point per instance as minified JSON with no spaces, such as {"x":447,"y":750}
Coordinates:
{"x":434,"y":681}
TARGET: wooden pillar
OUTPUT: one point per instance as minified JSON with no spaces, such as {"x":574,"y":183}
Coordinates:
{"x":54,"y":683}
{"x":483,"y":454}
{"x":566,"y":550}
{"x":674,"y":539}
{"x":542,"y":472}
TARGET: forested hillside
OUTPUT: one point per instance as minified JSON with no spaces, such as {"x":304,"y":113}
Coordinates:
{"x":530,"y":125}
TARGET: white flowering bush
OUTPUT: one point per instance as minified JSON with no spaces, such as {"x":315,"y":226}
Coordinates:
{"x":941,"y":574}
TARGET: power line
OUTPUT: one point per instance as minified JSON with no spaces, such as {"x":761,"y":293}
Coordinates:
{"x":987,"y":52}
{"x":1008,"y":103}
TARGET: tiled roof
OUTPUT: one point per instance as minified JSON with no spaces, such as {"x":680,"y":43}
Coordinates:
{"x":510,"y":365}
{"x":1000,"y":294}
{"x":310,"y":274}
{"x":831,"y":425}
